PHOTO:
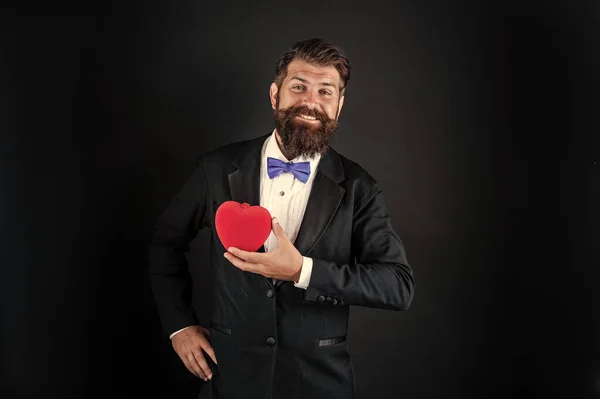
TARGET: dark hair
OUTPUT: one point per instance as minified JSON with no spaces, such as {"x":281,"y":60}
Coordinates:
{"x":315,"y":51}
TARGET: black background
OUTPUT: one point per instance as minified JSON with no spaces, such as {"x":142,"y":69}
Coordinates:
{"x":480,"y":120}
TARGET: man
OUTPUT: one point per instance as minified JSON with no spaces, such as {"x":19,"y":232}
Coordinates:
{"x":280,"y":315}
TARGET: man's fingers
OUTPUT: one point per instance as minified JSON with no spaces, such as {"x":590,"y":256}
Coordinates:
{"x":189,"y":366}
{"x":252,"y":257}
{"x":278,"y":230}
{"x":203,"y":364}
{"x":189,"y":348}
{"x":195,"y":366}
{"x":240,"y":263}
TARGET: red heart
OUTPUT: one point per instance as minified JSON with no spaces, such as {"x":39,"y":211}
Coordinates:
{"x":242,"y":226}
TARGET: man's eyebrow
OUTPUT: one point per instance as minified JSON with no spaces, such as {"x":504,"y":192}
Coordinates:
{"x":306,"y":81}
{"x":300,"y":79}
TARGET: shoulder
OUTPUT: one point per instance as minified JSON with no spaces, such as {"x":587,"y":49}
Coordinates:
{"x":227,"y":153}
{"x":222,"y":153}
{"x":358,"y":180}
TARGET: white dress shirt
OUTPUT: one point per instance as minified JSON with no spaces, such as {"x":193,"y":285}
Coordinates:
{"x":285,"y":197}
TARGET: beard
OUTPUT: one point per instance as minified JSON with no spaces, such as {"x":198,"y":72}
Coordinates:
{"x":301,"y":138}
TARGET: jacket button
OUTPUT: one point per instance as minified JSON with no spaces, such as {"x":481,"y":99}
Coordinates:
{"x":270,"y":341}
{"x":270,"y":293}
{"x":328,"y":299}
{"x":335,"y":302}
{"x":321,"y":298}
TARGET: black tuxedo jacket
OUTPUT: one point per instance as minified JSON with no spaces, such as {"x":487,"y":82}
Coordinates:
{"x":281,"y":341}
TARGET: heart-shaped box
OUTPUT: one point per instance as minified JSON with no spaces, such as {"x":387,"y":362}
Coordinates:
{"x":242,"y":226}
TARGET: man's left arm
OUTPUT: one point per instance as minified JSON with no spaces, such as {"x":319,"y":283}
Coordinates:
{"x":380,"y":277}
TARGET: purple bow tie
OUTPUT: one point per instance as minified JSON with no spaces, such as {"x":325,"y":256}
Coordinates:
{"x":300,"y":170}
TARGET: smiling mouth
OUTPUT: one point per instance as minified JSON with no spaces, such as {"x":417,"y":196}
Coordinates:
{"x":306,"y":117}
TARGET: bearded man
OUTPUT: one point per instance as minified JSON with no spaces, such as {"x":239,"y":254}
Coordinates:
{"x":279,"y":321}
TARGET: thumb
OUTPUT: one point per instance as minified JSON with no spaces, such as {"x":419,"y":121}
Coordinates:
{"x":278,"y":230}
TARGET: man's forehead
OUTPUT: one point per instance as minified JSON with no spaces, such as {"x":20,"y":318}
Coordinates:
{"x":310,"y":72}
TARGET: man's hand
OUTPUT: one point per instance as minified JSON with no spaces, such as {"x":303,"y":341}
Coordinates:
{"x":189,"y":344}
{"x":284,"y":263}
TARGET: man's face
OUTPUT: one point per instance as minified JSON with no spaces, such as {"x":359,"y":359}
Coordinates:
{"x":306,"y":108}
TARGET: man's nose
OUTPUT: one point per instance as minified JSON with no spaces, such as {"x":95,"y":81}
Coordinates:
{"x":311,"y":98}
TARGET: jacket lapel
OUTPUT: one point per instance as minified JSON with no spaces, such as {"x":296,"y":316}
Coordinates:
{"x":325,"y":197}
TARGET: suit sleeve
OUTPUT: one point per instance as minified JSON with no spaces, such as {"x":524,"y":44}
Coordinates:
{"x":175,"y":228}
{"x":380,"y":276}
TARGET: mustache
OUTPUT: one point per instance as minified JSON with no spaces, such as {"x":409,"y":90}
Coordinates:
{"x":304,"y":110}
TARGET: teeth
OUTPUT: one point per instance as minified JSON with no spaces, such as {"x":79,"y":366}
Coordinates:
{"x":312,"y":118}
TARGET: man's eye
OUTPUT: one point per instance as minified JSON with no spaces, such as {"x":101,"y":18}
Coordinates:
{"x":327,"y":93}
{"x":298,"y":87}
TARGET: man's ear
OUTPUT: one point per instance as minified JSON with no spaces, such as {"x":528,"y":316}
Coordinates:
{"x":340,"y":105}
{"x":273,"y":95}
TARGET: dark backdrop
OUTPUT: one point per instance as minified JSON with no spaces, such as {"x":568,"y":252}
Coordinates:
{"x":479,"y":120}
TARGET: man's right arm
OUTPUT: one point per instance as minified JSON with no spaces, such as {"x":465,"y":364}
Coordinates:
{"x":175,"y":228}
